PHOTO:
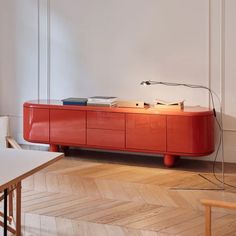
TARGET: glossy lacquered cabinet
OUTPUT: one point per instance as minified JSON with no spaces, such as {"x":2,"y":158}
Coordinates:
{"x":189,"y":132}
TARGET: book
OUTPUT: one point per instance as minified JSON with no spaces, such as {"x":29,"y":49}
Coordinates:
{"x":101,"y":102}
{"x":97,"y":104}
{"x":75,"y":101}
{"x":175,"y":105}
{"x":103,"y":99}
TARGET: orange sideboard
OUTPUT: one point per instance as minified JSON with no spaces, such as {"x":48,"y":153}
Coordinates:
{"x":189,"y":132}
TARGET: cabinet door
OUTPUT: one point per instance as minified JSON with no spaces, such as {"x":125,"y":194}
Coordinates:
{"x":190,"y":134}
{"x":67,"y":127}
{"x":36,"y":125}
{"x":146,"y":132}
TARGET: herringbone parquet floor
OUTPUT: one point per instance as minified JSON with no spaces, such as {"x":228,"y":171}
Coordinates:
{"x":97,"y":194}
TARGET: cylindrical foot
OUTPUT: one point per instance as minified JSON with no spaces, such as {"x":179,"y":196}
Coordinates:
{"x":169,"y":160}
{"x":53,"y":148}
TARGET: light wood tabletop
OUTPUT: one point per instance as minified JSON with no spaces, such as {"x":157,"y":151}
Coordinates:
{"x":19,"y":164}
{"x":16,"y":165}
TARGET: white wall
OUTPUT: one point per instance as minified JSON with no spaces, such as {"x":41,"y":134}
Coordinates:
{"x":229,"y":82}
{"x":107,"y":47}
{"x":18,"y":58}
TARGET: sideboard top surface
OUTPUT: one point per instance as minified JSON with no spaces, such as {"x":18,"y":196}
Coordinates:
{"x":57,"y":104}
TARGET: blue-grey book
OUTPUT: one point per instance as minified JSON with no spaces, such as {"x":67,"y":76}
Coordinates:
{"x":75,"y":101}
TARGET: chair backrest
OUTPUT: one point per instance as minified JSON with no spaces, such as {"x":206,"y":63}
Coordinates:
{"x":4,"y":131}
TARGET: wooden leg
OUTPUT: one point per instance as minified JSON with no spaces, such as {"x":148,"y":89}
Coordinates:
{"x":5,"y":212}
{"x":53,"y":148}
{"x":208,"y":221}
{"x":18,"y":209}
{"x":10,"y":204}
{"x":169,"y":160}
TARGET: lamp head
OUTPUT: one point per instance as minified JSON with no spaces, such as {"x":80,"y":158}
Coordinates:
{"x":147,"y":82}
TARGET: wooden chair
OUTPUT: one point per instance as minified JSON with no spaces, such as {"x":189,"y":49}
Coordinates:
{"x":7,"y":141}
{"x":214,"y":203}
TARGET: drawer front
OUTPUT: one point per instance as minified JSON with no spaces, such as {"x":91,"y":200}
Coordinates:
{"x":106,"y":138}
{"x":67,"y":127}
{"x":105,"y":120}
{"x":146,"y":132}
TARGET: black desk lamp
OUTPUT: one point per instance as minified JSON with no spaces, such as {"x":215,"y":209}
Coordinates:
{"x":211,"y":92}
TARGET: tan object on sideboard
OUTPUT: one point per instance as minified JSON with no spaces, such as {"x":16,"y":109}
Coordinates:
{"x":176,"y":105}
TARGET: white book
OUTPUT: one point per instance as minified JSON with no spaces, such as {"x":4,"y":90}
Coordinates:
{"x":105,"y":103}
{"x":102,"y":104}
{"x":102,"y":99}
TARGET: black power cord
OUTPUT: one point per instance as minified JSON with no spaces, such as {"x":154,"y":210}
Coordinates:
{"x":211,"y":92}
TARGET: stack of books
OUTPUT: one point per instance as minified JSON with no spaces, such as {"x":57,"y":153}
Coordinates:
{"x":175,"y":105}
{"x":102,"y":101}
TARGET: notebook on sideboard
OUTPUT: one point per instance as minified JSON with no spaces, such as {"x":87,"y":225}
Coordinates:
{"x":75,"y":101}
